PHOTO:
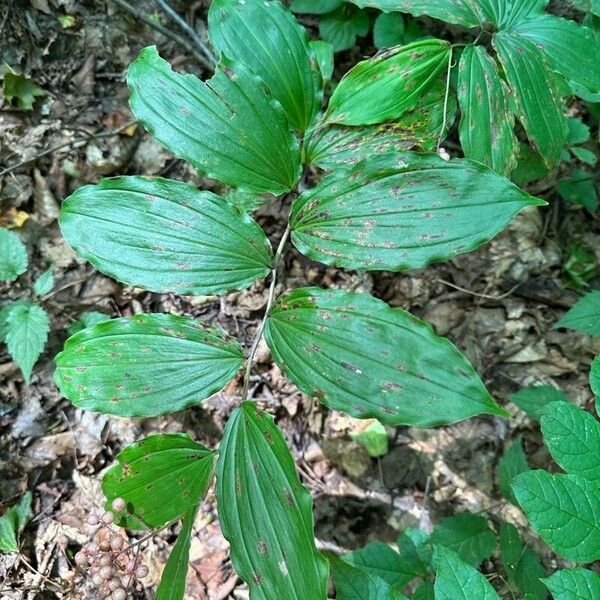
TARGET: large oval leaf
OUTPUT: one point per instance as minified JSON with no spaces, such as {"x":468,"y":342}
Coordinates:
{"x":147,"y":365}
{"x":403,"y":211}
{"x":268,"y":39}
{"x":165,"y":235}
{"x":160,"y":478}
{"x":229,"y":127}
{"x":536,"y":94}
{"x":568,"y":584}
{"x":358,"y":355}
{"x":486,"y":124}
{"x":383,"y":88}
{"x":265,"y":512}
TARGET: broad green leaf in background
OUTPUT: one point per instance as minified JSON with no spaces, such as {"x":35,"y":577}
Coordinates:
{"x":571,"y":49}
{"x":13,"y":256}
{"x":564,"y":510}
{"x":44,"y":283}
{"x":536,"y":94}
{"x":161,"y":478}
{"x":164,"y":235}
{"x":424,"y":592}
{"x":341,"y":27}
{"x":12,"y":524}
{"x":533,"y":400}
{"x":146,"y":365}
{"x":245,"y":202}
{"x":388,"y":30}
{"x":588,"y":157}
{"x":572,"y":436}
{"x":486,"y":124}
{"x":352,"y":583}
{"x":457,"y":580}
{"x":172,"y":581}
{"x":530,"y":166}
{"x":403,"y":211}
{"x":468,"y":535}
{"x":358,"y":355}
{"x":373,"y":439}
{"x":265,"y":512}
{"x":266,"y":37}
{"x":415,"y":548}
{"x":579,"y":132}
{"x":24,"y":328}
{"x":87,"y":319}
{"x":229,"y":127}
{"x":323,"y":53}
{"x":595,"y":377}
{"x":512,"y":463}
{"x":584,"y":316}
{"x":574,"y":584}
{"x":315,"y":7}
{"x":579,"y":188}
{"x":22,"y":89}
{"x":383,"y":88}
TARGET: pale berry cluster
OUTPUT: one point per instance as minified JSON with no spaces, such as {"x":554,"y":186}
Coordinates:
{"x":109,"y":563}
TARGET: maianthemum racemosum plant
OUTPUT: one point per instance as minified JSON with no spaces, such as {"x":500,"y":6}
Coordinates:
{"x":256,"y":126}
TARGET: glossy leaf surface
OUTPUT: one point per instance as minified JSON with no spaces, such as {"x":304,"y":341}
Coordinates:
{"x":164,"y":235}
{"x":358,"y":355}
{"x":147,"y":365}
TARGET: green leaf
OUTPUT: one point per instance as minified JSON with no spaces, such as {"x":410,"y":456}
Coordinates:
{"x":265,"y":512}
{"x":165,"y":235}
{"x":379,"y":560}
{"x":486,"y":124}
{"x":269,"y":41}
{"x":352,"y":583}
{"x":87,"y":319}
{"x":456,"y":580}
{"x":574,"y":584}
{"x":21,"y":88}
{"x":424,"y":592}
{"x":44,"y":283}
{"x":468,"y":535}
{"x":323,"y":53}
{"x":229,"y":128}
{"x":358,"y":355}
{"x":416,"y":550}
{"x":564,"y":510}
{"x":579,"y":188}
{"x":146,"y":365}
{"x":571,"y":49}
{"x":533,"y":400}
{"x":315,"y":7}
{"x":572,"y":436}
{"x":373,"y":439}
{"x":12,"y":524}
{"x":595,"y":376}
{"x":388,"y":30}
{"x":516,"y":12}
{"x":511,"y":464}
{"x":172,"y":581}
{"x":586,"y":156}
{"x":403,"y":211}
{"x":536,"y":94}
{"x":530,"y":166}
{"x":579,"y":132}
{"x":13,"y":256}
{"x":161,"y":466}
{"x":341,"y":27}
{"x":25,"y":331}
{"x":245,"y":202}
{"x":584,"y":316}
{"x":383,"y":88}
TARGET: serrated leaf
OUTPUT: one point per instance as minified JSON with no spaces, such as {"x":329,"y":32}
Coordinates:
{"x":533,"y":400}
{"x":385,"y":87}
{"x":388,"y":30}
{"x":44,"y":283}
{"x":584,"y":316}
{"x":342,"y":26}
{"x":468,"y":535}
{"x":512,"y":463}
{"x":21,"y":88}
{"x":161,"y":466}
{"x":229,"y":127}
{"x":13,"y":522}
{"x":25,"y":331}
{"x":486,"y":124}
{"x":564,"y":510}
{"x":574,"y":584}
{"x":457,"y":580}
{"x":146,"y":365}
{"x":172,"y":581}
{"x":265,"y":512}
{"x":358,"y":355}
{"x":267,"y":38}
{"x":87,"y":319}
{"x":572,"y":436}
{"x":352,"y":583}
{"x":164,"y":235}
{"x":535,"y":88}
{"x":13,"y":256}
{"x":571,"y":49}
{"x":403,"y":211}
{"x":323,"y":53}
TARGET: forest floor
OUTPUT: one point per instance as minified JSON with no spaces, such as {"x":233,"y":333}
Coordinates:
{"x":498,"y":305}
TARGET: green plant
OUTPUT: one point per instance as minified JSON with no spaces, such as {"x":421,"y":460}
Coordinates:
{"x":256,"y":127}
{"x":24,"y":324}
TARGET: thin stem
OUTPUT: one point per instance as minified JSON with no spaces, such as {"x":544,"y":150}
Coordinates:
{"x":261,"y":327}
{"x":446,"y":97}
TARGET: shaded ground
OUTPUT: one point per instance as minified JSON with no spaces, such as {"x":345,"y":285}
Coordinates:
{"x":497,"y":304}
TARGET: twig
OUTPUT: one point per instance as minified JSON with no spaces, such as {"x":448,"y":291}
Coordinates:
{"x":189,"y":30}
{"x":261,"y":327}
{"x":446,"y":97}
{"x":487,"y":296}
{"x":139,"y":14}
